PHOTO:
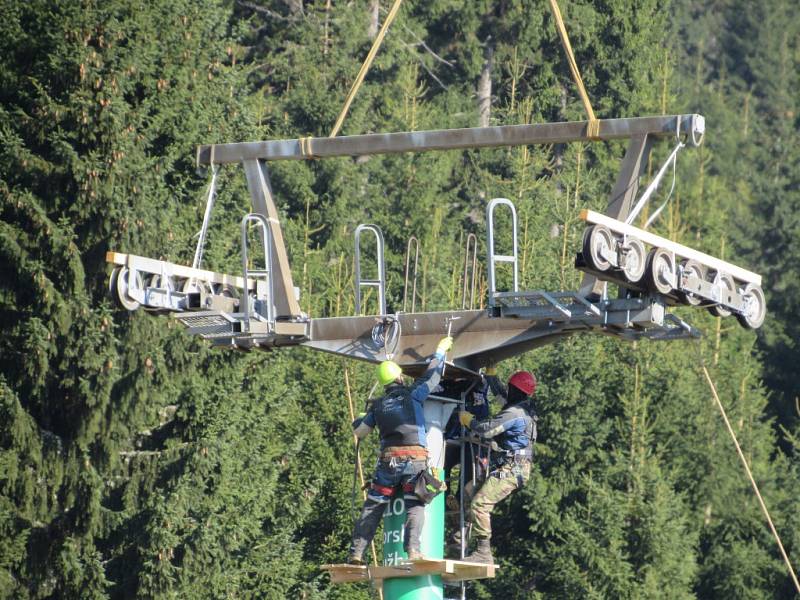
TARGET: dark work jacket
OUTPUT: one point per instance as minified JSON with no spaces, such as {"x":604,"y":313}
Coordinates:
{"x":399,"y":414}
{"x":513,"y":428}
{"x":477,"y":404}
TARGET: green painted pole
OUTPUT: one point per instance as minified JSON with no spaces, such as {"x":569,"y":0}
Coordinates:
{"x":424,"y":587}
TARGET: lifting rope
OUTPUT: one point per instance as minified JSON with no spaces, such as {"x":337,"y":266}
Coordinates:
{"x":365,"y":67}
{"x":747,"y":470}
{"x":593,"y":127}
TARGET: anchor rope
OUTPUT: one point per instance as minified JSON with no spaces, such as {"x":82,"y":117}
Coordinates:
{"x":753,"y":483}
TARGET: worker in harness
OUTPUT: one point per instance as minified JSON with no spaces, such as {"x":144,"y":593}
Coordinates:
{"x":400,"y":420}
{"x":514,"y":431}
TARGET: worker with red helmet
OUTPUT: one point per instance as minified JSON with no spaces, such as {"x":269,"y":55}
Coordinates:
{"x":513,"y":430}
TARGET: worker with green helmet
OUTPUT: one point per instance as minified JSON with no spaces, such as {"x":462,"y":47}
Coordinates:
{"x":400,"y":420}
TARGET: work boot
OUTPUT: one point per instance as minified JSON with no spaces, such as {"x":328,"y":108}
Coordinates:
{"x":481,"y":554}
{"x":454,"y":545}
{"x":415,"y":555}
{"x":355,"y":559}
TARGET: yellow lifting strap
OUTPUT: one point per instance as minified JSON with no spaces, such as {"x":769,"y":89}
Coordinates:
{"x":593,"y":128}
{"x":365,"y":67}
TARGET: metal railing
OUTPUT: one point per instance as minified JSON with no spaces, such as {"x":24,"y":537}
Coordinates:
{"x":493,"y":258}
{"x":264,"y":274}
{"x":380,"y":282}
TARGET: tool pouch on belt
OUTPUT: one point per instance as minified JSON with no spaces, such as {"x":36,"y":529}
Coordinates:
{"x":427,"y":486}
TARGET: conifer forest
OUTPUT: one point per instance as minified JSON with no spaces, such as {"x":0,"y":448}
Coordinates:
{"x":137,"y":461}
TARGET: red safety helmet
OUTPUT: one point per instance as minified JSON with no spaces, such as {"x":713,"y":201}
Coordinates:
{"x":524,"y":382}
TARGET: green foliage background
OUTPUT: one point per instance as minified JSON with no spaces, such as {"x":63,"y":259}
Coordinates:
{"x":136,"y":462}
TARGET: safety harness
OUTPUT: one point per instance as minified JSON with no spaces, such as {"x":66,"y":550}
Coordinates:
{"x":515,"y":457}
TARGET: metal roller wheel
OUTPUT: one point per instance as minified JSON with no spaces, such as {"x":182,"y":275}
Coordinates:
{"x":699,"y":271}
{"x":725,"y":282}
{"x":635,"y":260}
{"x":119,"y":284}
{"x":226,"y":290}
{"x":156,"y":281}
{"x":659,"y":273}
{"x":112,"y":283}
{"x":597,"y":242}
{"x":755,"y":307}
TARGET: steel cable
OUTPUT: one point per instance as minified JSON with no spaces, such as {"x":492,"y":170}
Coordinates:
{"x":753,"y":483}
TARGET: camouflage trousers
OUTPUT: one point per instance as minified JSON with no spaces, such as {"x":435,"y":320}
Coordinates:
{"x":498,"y":485}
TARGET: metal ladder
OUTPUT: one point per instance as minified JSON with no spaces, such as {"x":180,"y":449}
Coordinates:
{"x":380,"y":282}
{"x":264,"y":274}
{"x":493,"y":258}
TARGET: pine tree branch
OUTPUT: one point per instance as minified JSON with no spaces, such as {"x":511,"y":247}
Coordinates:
{"x":421,"y":42}
{"x":424,"y":66}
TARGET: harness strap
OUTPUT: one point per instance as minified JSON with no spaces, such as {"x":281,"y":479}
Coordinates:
{"x":404,"y":451}
{"x":383,"y":490}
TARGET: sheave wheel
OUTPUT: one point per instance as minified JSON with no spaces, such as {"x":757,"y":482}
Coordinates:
{"x":119,"y":284}
{"x":694,"y":268}
{"x":755,"y":307}
{"x":112,"y":283}
{"x":635,"y":260}
{"x":226,"y":290}
{"x":725,"y":282}
{"x":598,"y":242}
{"x":659,"y":273}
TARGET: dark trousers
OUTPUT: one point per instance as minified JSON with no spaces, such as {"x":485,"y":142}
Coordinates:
{"x":390,"y":476}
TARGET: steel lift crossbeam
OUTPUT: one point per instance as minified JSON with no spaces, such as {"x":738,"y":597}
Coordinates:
{"x":518,"y":320}
{"x":451,"y":139}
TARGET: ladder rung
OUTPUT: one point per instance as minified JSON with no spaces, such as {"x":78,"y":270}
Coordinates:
{"x":370,"y":282}
{"x":258,"y":273}
{"x":504,"y":258}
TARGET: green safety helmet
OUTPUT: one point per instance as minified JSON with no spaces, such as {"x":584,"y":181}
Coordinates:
{"x":388,"y":371}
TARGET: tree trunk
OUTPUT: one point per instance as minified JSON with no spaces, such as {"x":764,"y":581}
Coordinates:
{"x":485,"y":86}
{"x":374,"y":18}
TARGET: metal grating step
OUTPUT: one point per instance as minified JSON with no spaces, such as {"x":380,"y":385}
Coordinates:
{"x":538,"y":304}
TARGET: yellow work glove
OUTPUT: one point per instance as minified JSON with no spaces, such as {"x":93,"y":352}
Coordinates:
{"x":444,"y":345}
{"x":465,"y":418}
{"x":490,"y":370}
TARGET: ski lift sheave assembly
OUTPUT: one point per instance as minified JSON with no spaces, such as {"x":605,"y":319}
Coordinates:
{"x":260,"y":309}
